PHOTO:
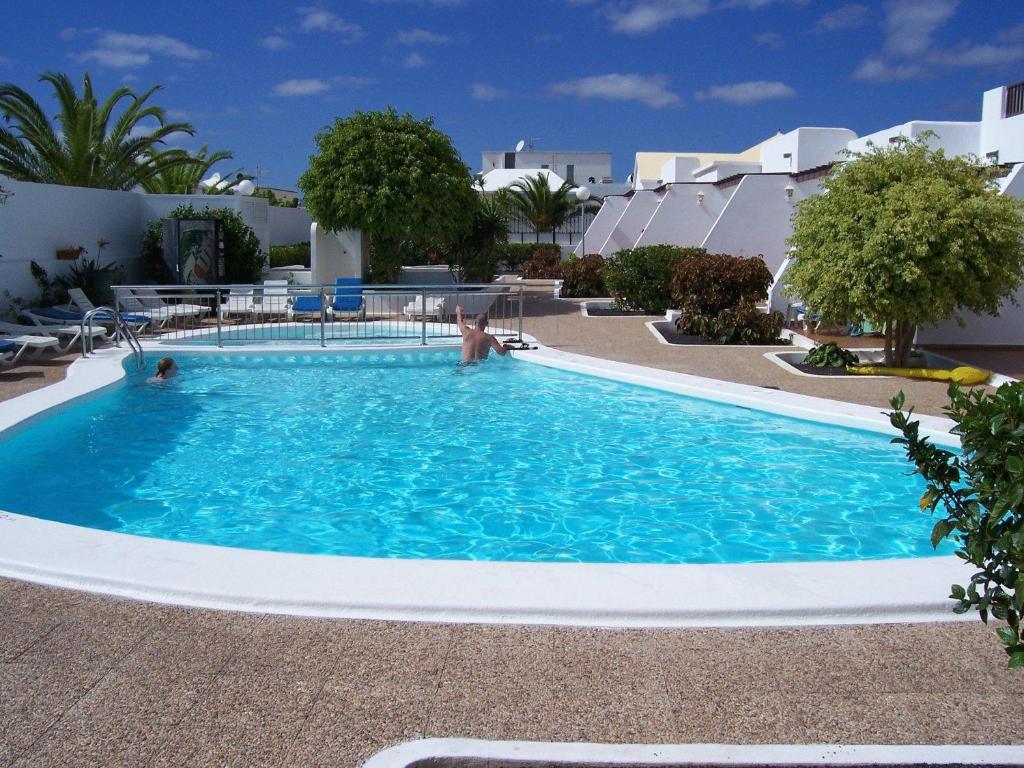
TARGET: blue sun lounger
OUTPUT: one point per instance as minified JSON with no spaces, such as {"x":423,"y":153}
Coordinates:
{"x":348,"y":296}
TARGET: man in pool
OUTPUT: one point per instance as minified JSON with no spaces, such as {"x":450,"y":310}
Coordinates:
{"x":476,"y":341}
{"x":166,"y":368}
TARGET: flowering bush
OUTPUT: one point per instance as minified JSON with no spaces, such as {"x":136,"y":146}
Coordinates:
{"x":582,"y":277}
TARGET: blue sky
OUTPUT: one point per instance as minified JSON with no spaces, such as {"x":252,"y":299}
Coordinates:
{"x":261,"y":78}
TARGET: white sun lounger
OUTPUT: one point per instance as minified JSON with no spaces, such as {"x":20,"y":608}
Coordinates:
{"x":435,"y":308}
{"x":12,"y":348}
{"x":275,"y":299}
{"x":239,"y":301}
{"x":151,"y":300}
{"x":66,"y":335}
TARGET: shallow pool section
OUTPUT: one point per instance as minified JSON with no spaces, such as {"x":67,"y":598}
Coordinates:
{"x":407,"y":455}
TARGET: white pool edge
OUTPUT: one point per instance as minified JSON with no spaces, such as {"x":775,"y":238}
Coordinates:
{"x":585,"y":594}
{"x":409,"y":753}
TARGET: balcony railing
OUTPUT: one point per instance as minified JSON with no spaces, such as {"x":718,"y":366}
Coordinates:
{"x":1014,"y":100}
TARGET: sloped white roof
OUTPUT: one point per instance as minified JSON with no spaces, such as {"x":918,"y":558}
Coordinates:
{"x":500,"y":178}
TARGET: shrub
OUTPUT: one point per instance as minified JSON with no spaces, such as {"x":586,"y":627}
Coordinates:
{"x":243,"y":258}
{"x":545,"y":264}
{"x":582,"y":277}
{"x":980,"y":493}
{"x":289,"y":255}
{"x":516,"y":255}
{"x":640,"y":278}
{"x":830,"y":355}
{"x":742,"y":324}
{"x":706,"y":283}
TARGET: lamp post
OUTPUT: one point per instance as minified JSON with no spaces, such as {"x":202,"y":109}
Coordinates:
{"x":582,"y":195}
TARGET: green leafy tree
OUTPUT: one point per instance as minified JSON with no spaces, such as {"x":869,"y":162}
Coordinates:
{"x":396,"y":178}
{"x":86,"y":144}
{"x":544,"y":208}
{"x":979,"y":494}
{"x":184,"y":179}
{"x":904,"y":236}
{"x":476,"y":255}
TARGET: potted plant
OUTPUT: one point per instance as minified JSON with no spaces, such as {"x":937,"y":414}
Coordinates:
{"x":70,"y":253}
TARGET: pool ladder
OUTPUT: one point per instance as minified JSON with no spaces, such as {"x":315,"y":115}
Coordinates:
{"x":122,"y":330}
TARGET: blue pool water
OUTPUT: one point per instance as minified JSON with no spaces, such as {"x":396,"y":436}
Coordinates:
{"x":407,"y":455}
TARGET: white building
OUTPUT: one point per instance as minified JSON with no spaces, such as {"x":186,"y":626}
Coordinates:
{"x":741,"y":203}
{"x":575,"y":167}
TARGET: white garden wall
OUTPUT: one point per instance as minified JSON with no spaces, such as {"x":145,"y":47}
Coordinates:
{"x":603,"y":224}
{"x":684,"y":219}
{"x":289,"y":225}
{"x":39,"y":219}
{"x":756,"y":218}
{"x":632,"y":222}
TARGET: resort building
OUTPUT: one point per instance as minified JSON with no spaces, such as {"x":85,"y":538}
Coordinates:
{"x":742,"y":203}
{"x":577,"y":167}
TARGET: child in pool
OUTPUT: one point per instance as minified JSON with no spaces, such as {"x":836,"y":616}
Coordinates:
{"x":166,"y":368}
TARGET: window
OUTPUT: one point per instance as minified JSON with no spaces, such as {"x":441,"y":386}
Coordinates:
{"x":570,"y":172}
{"x":1014,"y":100}
{"x":510,"y":159}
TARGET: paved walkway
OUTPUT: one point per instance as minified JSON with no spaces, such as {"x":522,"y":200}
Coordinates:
{"x":87,"y":680}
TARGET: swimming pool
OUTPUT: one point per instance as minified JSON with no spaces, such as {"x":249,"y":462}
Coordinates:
{"x":405,"y":455}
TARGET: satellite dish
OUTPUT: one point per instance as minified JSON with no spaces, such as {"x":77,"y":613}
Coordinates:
{"x":520,"y":145}
{"x":629,"y":180}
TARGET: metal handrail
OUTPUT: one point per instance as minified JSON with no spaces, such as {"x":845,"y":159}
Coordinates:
{"x":121,"y":330}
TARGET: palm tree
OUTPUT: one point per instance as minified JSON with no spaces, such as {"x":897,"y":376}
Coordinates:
{"x":184,"y":179}
{"x":546,"y":209}
{"x":92,"y":147}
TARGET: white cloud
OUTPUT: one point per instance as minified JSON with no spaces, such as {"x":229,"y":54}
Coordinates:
{"x":651,"y":90}
{"x":275,"y":43}
{"x":412,"y":37}
{"x":909,"y":53}
{"x":772,"y":40}
{"x":876,"y":68}
{"x":485,"y":92}
{"x":984,"y":55}
{"x":115,"y":59}
{"x":851,"y":16}
{"x":121,"y":50}
{"x":311,"y":86}
{"x":910,"y":24}
{"x":750,"y":92}
{"x":414,"y":61}
{"x":639,"y":18}
{"x":1013,"y":34}
{"x":301,"y":87}
{"x":321,"y":20}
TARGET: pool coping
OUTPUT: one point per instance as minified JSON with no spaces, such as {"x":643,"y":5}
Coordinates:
{"x":582,"y":594}
{"x":436,"y":751}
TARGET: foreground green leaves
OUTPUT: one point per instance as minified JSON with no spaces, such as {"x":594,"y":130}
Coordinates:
{"x":980,"y":494}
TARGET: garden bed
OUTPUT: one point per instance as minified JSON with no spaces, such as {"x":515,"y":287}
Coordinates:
{"x":605,"y":309}
{"x":667,"y":334}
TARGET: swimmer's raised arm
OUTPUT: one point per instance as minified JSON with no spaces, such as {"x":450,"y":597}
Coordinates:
{"x":460,"y":320}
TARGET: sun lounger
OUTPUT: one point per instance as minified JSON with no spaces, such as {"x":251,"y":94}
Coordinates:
{"x":434,"y":308}
{"x":274,"y":301}
{"x":66,"y":335}
{"x":49,"y":316}
{"x":85,"y":305}
{"x":348,"y":296}
{"x":309,"y":306}
{"x":14,"y":347}
{"x":239,"y":301}
{"x":151,"y":300}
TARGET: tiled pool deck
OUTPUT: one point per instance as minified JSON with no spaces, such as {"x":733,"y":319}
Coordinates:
{"x":87,"y":680}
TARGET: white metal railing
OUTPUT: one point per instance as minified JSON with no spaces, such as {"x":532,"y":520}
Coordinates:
{"x":321,"y":314}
